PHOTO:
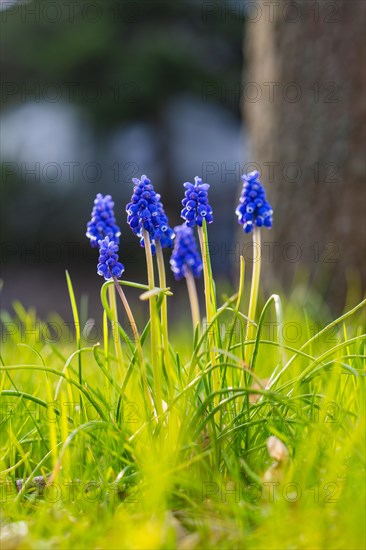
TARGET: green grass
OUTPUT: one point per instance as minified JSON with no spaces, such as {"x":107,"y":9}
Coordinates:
{"x":199,"y":475}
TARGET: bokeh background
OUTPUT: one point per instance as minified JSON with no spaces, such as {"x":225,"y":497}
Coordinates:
{"x":94,"y":93}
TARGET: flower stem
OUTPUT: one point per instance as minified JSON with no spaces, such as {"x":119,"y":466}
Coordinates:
{"x":211,"y":334}
{"x":164,"y":310}
{"x":106,"y":337}
{"x":251,"y":327}
{"x":209,"y":298}
{"x":193,"y":299}
{"x":136,"y":336}
{"x":153,"y":326}
{"x":236,"y":316}
{"x":114,"y":323}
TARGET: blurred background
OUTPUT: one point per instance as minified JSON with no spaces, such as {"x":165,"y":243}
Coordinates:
{"x":94,"y":93}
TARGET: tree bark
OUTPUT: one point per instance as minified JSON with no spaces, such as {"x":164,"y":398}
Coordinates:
{"x":304,"y":108}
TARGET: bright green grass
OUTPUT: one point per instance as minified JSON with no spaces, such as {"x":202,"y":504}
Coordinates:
{"x":195,"y":478}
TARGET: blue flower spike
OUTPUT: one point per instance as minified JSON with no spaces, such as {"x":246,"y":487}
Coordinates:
{"x":146,"y":212}
{"x":195,"y":203}
{"x":185,"y":254}
{"x":253,"y":208}
{"x":142,"y":208}
{"x":109,"y":266}
{"x":103,"y":222}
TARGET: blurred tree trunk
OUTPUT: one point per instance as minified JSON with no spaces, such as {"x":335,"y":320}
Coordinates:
{"x":304,"y":109}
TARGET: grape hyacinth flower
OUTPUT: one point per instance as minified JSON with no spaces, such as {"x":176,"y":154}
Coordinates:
{"x":142,"y":208}
{"x":147,"y":219}
{"x":185,"y":256}
{"x":253,"y":209}
{"x":109,"y":266}
{"x":102,"y":223}
{"x":253,"y":212}
{"x":195,"y":203}
{"x":186,"y":263}
{"x":103,"y":231}
{"x":196,"y":209}
{"x":146,"y":212}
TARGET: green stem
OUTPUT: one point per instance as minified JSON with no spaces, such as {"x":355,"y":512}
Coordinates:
{"x":114,"y":323}
{"x":236,"y":316}
{"x":106,"y":338}
{"x":164,"y":311}
{"x":153,"y":326}
{"x":209,"y":302}
{"x":137,"y":338}
{"x":251,"y":327}
{"x":193,"y":299}
{"x":210,"y":299}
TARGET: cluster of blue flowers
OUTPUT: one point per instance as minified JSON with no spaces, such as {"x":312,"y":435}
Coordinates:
{"x":102,"y":223}
{"x":253,"y":209}
{"x":195,"y":203}
{"x":185,"y":255}
{"x":146,"y":212}
{"x":103,"y":232}
{"x":108,"y":265}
